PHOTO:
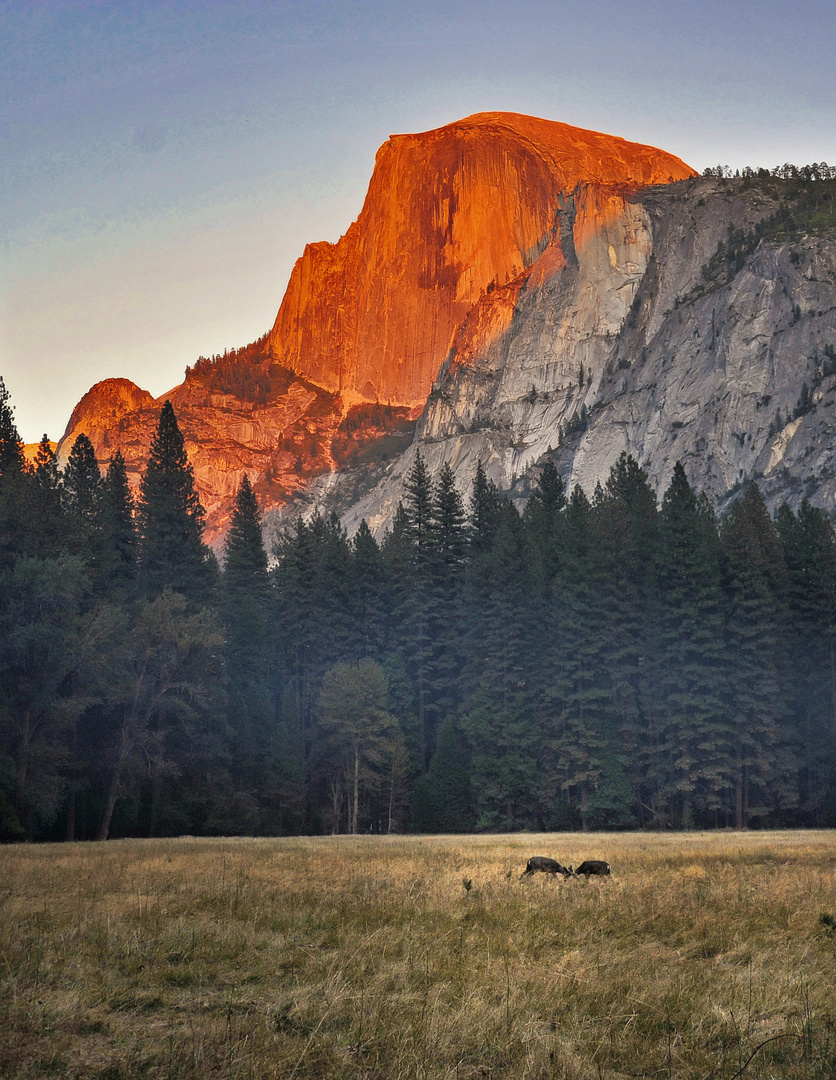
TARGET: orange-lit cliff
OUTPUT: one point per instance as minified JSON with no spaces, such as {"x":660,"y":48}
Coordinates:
{"x":453,"y":222}
{"x":448,"y":213}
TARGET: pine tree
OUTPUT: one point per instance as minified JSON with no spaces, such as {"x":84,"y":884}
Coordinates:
{"x":42,"y":520}
{"x":543,"y":518}
{"x":313,"y":616}
{"x":809,"y":543}
{"x":244,"y":610}
{"x":447,"y":529}
{"x":484,"y":510}
{"x":441,"y":799}
{"x":626,"y":524}
{"x":498,"y":715}
{"x":756,"y":583}
{"x":689,"y":773}
{"x":119,"y":531}
{"x":245,"y":560}
{"x":368,"y":588}
{"x":581,"y":746}
{"x":11,"y":445}
{"x":414,"y":612}
{"x":12,"y":484}
{"x":172,"y":552}
{"x":418,"y":504}
{"x":443,"y":600}
{"x":82,"y":497}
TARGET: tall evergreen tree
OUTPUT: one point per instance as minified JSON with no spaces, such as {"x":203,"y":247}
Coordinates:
{"x":484,"y":511}
{"x":82,"y":497}
{"x":448,"y":540}
{"x":759,"y":753}
{"x":418,"y":503}
{"x":11,"y":445}
{"x":447,"y":528}
{"x":809,"y":543}
{"x":119,"y":531}
{"x":688,"y":773}
{"x":172,"y":552}
{"x":543,"y":518}
{"x":245,"y":560}
{"x":369,"y":588}
{"x":498,"y":716}
{"x":582,"y":750}
{"x":627,"y":536}
{"x":12,"y":484}
{"x":41,"y":514}
{"x":244,"y":610}
{"x":313,"y":623}
{"x":414,"y":613}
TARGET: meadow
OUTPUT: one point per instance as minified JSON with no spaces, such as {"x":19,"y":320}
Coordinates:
{"x":706,"y":955}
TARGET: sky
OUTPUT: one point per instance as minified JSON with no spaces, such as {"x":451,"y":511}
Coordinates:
{"x":162,"y":165}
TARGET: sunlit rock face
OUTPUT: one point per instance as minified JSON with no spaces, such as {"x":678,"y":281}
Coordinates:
{"x":614,"y":341}
{"x":110,"y":414}
{"x":30,"y":452}
{"x":282,"y":444}
{"x":448,"y":214}
{"x":465,"y":234}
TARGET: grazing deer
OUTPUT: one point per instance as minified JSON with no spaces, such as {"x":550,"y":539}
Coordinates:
{"x":593,"y":867}
{"x":545,"y":866}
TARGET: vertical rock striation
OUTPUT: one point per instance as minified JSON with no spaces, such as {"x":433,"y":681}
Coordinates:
{"x":637,"y":336}
{"x":449,"y":213}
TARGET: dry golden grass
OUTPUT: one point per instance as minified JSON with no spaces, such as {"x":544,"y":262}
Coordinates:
{"x":392,"y":957}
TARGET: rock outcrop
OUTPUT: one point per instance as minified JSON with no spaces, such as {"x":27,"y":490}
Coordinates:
{"x":449,"y":214}
{"x":456,"y":220}
{"x":282,"y":443}
{"x":651,"y":333}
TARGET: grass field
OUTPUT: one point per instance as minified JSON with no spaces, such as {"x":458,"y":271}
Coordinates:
{"x":705,"y":956}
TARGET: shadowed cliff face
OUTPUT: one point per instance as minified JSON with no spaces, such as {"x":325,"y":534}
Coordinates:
{"x":448,"y":213}
{"x":457,"y":224}
{"x":638,"y":337}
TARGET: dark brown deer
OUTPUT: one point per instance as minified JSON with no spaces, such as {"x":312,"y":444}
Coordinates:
{"x":545,"y":866}
{"x":593,"y":868}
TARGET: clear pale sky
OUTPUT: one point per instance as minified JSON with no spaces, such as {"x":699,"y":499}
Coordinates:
{"x":162,"y":165}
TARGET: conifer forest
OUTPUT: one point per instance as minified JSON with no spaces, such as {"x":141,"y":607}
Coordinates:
{"x":600,"y":660}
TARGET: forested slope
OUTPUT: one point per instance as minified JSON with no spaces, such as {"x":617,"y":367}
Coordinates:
{"x":600,"y":660}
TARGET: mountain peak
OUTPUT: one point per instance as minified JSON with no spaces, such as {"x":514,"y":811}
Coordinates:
{"x":448,"y":213}
{"x":452,"y":216}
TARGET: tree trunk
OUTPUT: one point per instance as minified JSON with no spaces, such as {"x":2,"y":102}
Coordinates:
{"x":112,"y":795}
{"x":422,"y":714}
{"x":833,"y":676}
{"x":69,"y":836}
{"x":356,"y":800}
{"x":389,"y":823}
{"x":70,"y":833}
{"x":22,"y":764}
{"x":122,"y":755}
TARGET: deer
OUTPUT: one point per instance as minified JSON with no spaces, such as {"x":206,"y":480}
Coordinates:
{"x":593,"y":868}
{"x":545,"y":866}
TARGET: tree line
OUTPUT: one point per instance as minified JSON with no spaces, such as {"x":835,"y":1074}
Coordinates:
{"x":594,"y":661}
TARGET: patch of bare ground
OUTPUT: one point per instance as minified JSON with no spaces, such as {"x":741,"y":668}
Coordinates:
{"x":704,"y":956}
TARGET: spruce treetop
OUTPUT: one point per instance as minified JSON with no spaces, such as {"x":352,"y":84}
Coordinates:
{"x":172,"y":552}
{"x":245,"y":560}
{"x":11,"y":445}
